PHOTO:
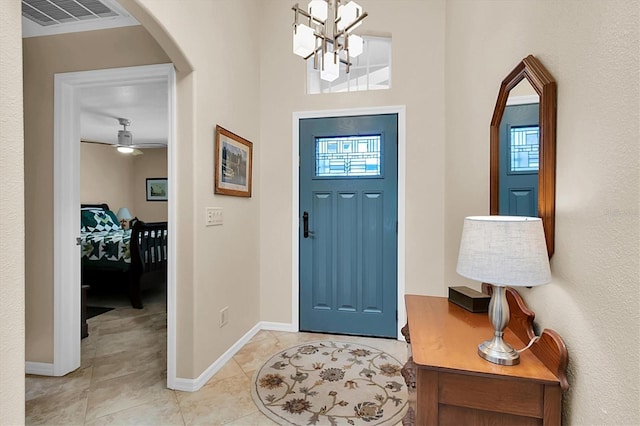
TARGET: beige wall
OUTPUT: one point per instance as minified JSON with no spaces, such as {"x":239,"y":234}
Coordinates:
{"x":152,"y":164}
{"x":218,"y":266}
{"x":107,"y":176}
{"x":417,"y":83}
{"x":44,"y":56}
{"x":11,"y":212}
{"x":591,"y":48}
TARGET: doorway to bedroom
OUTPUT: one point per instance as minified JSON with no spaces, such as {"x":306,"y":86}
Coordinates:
{"x":126,"y":194}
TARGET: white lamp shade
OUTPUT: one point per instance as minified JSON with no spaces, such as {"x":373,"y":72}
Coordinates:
{"x":304,"y":42}
{"x":123,"y":214}
{"x":347,"y":14}
{"x":504,"y":251}
{"x":356,"y":46}
{"x":318,"y":9}
{"x":331,"y":67}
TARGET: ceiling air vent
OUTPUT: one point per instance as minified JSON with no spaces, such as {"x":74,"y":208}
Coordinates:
{"x":45,"y":17}
{"x":51,"y":12}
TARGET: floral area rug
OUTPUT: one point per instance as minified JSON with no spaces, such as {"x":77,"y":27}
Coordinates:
{"x":331,"y":383}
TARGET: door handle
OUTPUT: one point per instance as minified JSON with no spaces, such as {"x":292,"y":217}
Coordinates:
{"x":305,"y":225}
{"x":78,"y":241}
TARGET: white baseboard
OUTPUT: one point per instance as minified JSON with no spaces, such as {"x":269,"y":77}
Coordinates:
{"x":193,"y":385}
{"x":39,"y":368}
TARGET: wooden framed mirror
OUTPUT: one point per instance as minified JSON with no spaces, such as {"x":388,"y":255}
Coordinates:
{"x":545,"y":87}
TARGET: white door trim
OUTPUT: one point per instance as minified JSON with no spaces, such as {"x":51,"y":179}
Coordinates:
{"x":297,"y":116}
{"x":66,"y":186}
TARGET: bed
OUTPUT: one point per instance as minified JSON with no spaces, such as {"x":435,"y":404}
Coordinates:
{"x":137,"y":256}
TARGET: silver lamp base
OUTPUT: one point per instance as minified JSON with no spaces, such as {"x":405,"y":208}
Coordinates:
{"x":498,"y":351}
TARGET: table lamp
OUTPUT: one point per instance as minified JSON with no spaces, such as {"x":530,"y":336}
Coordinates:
{"x":123,"y":216}
{"x":503,"y":251}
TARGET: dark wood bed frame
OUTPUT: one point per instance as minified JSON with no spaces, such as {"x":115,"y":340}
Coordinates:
{"x":148,"y":247}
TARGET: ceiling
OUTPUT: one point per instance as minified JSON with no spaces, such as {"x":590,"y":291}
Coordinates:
{"x":145,"y":104}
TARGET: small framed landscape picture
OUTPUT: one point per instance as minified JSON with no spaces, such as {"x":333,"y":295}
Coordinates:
{"x":157,"y":189}
{"x":233,"y":163}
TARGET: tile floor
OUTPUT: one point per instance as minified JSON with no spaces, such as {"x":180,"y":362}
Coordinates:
{"x":122,"y":378}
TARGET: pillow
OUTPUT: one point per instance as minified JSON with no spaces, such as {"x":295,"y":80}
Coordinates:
{"x":99,"y":220}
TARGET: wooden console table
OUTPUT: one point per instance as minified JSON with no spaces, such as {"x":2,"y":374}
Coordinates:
{"x":454,"y":386}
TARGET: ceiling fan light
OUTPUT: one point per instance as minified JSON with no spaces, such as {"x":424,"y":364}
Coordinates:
{"x":125,"y":150}
{"x":304,"y":41}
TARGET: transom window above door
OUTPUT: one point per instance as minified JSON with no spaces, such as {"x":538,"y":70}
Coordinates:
{"x":348,"y":156}
{"x":371,"y":70}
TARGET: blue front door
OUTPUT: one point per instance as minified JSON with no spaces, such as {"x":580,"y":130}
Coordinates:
{"x":348,"y":225}
{"x":519,"y":160}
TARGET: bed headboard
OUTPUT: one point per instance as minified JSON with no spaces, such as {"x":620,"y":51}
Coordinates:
{"x":103,"y":206}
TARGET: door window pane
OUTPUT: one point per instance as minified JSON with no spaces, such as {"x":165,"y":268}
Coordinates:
{"x":524,"y":149}
{"x":348,"y":156}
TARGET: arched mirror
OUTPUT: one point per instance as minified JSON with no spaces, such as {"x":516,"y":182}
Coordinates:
{"x":523,"y":146}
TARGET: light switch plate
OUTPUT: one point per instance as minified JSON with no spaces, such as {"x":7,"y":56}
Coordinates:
{"x":213,"y":216}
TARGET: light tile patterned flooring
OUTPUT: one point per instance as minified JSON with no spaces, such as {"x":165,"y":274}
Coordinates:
{"x":122,"y":378}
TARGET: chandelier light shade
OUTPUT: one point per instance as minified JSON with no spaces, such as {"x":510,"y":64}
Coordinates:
{"x":324,"y":31}
{"x":503,"y":251}
{"x":330,"y":67}
{"x":319,"y":9}
{"x":348,"y":14}
{"x":303,"y":40}
{"x":356,"y":46}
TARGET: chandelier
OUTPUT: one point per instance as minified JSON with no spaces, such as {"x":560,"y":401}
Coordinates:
{"x":324,"y":31}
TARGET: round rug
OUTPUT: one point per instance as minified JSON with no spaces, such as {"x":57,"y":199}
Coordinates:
{"x":331,"y":383}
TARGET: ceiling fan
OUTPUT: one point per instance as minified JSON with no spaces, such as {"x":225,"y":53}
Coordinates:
{"x":124,"y":140}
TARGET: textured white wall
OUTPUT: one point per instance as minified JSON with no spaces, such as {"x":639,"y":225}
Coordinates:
{"x":591,"y":48}
{"x":12,"y":222}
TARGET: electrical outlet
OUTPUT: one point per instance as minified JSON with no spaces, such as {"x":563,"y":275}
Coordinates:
{"x":213,"y":216}
{"x":224,"y":316}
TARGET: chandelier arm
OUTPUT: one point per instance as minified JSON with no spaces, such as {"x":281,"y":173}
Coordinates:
{"x":315,"y":54}
{"x":354,"y":23}
{"x":346,"y":49}
{"x":306,"y":14}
